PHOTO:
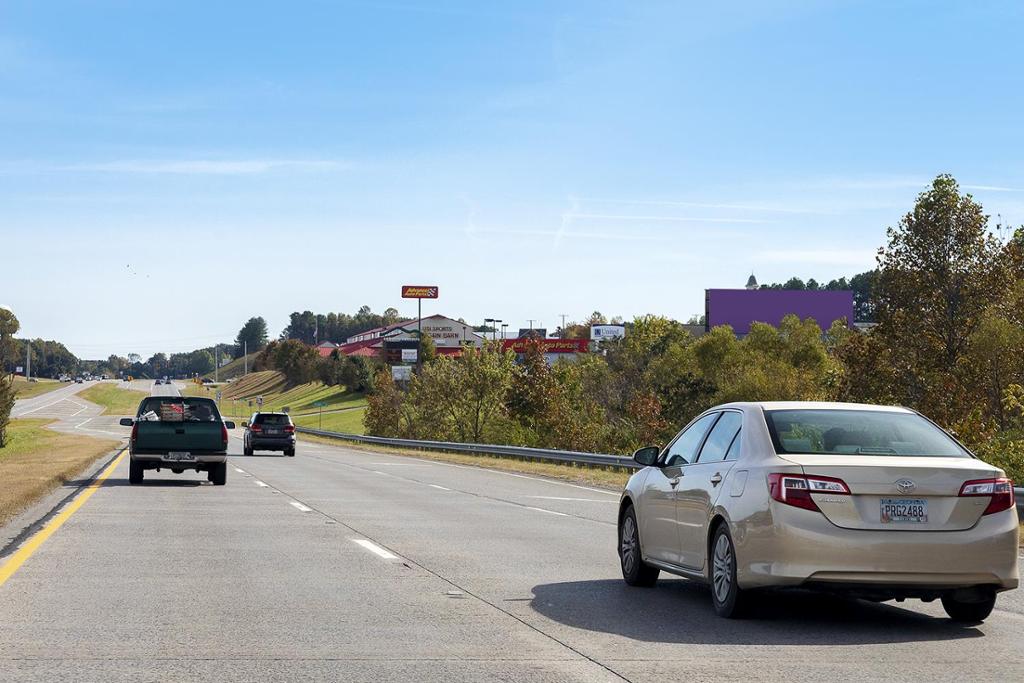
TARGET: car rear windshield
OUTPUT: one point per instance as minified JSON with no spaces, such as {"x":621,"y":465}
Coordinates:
{"x":173,"y":409}
{"x":273,"y":420}
{"x":858,"y":432}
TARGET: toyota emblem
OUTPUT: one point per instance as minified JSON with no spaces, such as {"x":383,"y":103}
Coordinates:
{"x":905,"y":486}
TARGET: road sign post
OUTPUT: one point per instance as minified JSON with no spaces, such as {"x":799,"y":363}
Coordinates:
{"x":320,"y":405}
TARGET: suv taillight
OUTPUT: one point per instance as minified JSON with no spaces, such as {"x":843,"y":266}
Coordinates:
{"x":796,"y":489}
{"x":255,"y":427}
{"x":290,"y":429}
{"x":1001,"y":491}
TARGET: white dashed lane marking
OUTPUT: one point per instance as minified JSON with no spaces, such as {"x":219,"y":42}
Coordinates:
{"x":375,"y":549}
{"x":299,"y":506}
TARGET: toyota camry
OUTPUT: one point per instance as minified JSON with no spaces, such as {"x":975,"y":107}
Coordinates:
{"x":871,"y":501}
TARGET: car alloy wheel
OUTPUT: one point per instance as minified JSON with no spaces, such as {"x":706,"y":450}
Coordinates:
{"x":628,"y":547}
{"x":635,"y":571}
{"x":722,"y":574}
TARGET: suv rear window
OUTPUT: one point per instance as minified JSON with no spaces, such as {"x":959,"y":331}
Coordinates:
{"x":265,"y":419}
{"x":858,"y":432}
{"x":174,"y":409}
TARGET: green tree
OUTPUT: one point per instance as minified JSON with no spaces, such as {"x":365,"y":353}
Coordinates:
{"x":252,"y":337}
{"x":9,"y":325}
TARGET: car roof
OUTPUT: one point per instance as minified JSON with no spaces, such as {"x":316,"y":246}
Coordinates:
{"x":814,"y":405}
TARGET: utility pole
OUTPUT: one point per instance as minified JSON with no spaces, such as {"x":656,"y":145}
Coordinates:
{"x":563,"y":324}
{"x":216,"y":361}
{"x":28,"y":359}
{"x":531,"y":324}
{"x":245,"y":357}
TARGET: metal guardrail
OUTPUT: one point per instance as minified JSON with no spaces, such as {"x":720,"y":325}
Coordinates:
{"x":547,"y":455}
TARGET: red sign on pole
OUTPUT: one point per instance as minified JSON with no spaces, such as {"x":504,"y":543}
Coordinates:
{"x":418,"y":292}
{"x":548,"y":345}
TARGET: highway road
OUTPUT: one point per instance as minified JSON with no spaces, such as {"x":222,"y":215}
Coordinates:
{"x":341,"y":564}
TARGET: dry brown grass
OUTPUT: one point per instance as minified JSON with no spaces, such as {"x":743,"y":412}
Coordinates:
{"x":37,"y":460}
{"x":608,"y":478}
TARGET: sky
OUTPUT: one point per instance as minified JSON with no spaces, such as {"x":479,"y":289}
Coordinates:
{"x":170,"y":169}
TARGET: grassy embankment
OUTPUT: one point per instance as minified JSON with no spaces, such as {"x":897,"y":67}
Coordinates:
{"x":25,"y":389}
{"x":114,"y":399}
{"x":36,"y":460}
{"x":234,"y":369}
{"x":342,"y":411}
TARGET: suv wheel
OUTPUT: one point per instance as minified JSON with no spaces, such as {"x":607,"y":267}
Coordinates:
{"x":135,"y":471}
{"x":635,"y":571}
{"x":729,"y":600}
{"x":973,"y":611}
{"x":246,"y":451}
{"x":218,"y":474}
{"x":290,"y":452}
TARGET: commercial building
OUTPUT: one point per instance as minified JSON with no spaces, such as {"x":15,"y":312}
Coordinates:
{"x":739,"y":308}
{"x":449,"y":337}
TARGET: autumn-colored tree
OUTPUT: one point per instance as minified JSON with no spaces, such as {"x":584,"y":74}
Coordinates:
{"x":940,"y":271}
{"x":384,"y":407}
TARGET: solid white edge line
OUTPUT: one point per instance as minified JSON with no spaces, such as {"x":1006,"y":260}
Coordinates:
{"x":375,"y":549}
{"x":299,"y":506}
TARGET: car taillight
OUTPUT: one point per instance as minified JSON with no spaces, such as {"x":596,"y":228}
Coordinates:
{"x":290,"y":429}
{"x":796,"y":489}
{"x":1001,"y":491}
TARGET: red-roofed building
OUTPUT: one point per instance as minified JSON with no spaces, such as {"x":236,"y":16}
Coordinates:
{"x":448,"y":335}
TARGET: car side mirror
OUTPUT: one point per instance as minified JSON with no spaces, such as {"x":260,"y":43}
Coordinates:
{"x":647,"y":456}
{"x":229,"y":424}
{"x":126,"y":422}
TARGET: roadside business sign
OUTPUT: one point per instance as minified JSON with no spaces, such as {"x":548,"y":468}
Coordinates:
{"x":602,"y":332}
{"x":548,"y":345}
{"x":401,"y":373}
{"x":410,"y":355}
{"x":419,"y":292}
{"x":19,"y":369}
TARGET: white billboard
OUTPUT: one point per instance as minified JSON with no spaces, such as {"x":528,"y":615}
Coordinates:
{"x":602,"y":332}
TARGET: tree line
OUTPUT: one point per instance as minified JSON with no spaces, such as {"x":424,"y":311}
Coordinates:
{"x":948,"y":299}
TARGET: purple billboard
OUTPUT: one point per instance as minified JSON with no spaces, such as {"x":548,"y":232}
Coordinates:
{"x":741,"y":307}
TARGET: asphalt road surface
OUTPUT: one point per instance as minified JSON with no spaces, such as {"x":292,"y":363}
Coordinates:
{"x":341,"y":564}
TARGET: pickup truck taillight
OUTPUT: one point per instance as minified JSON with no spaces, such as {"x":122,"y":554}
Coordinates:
{"x":135,"y":432}
{"x":224,"y":434}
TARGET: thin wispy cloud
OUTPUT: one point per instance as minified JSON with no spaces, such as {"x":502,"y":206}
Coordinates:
{"x":206,"y":166}
{"x":742,"y":206}
{"x":666,"y":219}
{"x":566,"y":234}
{"x":992,"y":188}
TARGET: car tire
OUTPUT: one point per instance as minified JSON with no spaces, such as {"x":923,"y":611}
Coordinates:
{"x":290,"y":452}
{"x":247,"y":451}
{"x":969,"y":611}
{"x":135,"y":472}
{"x":728,"y":599}
{"x":635,"y":572}
{"x":218,"y":474}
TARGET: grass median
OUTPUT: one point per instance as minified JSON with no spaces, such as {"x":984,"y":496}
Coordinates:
{"x":25,"y":389}
{"x":603,"y":477}
{"x":114,"y":399}
{"x":37,"y":460}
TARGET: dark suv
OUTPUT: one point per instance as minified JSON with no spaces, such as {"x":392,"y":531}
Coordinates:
{"x":269,"y":432}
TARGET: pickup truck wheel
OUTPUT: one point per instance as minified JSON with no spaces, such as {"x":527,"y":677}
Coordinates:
{"x":290,"y":452}
{"x":218,"y":474}
{"x":135,"y":471}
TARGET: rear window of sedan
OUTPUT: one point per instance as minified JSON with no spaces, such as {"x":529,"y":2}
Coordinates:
{"x":858,"y":432}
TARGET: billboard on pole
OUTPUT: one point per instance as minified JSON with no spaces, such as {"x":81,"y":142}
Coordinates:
{"x":419,"y":292}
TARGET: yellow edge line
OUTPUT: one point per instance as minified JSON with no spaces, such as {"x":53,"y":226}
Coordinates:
{"x":8,"y":568}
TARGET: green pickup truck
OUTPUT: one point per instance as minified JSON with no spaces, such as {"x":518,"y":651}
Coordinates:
{"x":178,"y":433}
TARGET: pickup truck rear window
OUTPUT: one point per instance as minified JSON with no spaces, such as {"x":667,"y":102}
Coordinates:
{"x":172,"y":409}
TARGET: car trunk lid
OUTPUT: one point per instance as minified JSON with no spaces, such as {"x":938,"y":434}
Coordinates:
{"x":898,"y":493}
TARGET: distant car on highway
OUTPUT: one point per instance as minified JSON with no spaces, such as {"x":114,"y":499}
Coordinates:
{"x":176,"y":433}
{"x":870,"y":501}
{"x":78,"y":380}
{"x":269,"y":432}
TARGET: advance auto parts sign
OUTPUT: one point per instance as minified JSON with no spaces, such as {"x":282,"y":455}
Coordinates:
{"x":418,"y":292}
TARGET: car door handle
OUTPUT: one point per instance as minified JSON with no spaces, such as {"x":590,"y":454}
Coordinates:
{"x":716,"y":479}
{"x":674,"y":482}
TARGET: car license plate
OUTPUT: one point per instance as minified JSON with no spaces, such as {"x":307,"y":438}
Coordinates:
{"x":273,"y":431}
{"x":180,"y":455}
{"x":895,"y":510}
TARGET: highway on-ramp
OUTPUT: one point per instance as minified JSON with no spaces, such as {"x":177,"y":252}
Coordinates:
{"x":341,"y":564}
